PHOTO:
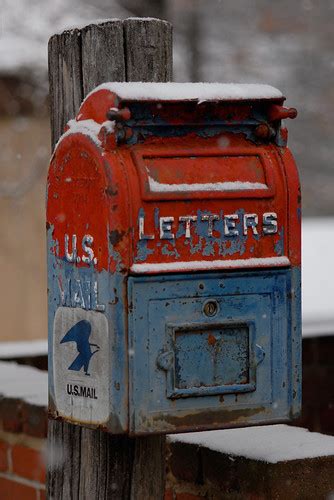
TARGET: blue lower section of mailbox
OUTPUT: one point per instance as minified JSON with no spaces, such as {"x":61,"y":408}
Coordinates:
{"x":214,"y":350}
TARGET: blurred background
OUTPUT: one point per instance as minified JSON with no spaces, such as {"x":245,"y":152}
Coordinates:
{"x":286,"y":44}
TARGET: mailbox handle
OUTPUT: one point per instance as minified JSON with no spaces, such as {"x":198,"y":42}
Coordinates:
{"x":118,"y":115}
{"x":277,"y":112}
{"x":165,"y":360}
{"x":259,"y":354}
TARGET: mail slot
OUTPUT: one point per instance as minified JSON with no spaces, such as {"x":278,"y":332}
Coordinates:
{"x":173,"y":222}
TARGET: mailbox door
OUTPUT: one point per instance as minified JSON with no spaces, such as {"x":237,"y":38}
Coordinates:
{"x":209,"y":351}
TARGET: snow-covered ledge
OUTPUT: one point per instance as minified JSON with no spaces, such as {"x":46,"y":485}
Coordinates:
{"x":275,"y":461}
{"x":23,"y":399}
{"x":269,"y":443}
{"x":23,"y":349}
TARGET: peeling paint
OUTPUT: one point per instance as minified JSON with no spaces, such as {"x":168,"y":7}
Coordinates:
{"x":178,"y":234}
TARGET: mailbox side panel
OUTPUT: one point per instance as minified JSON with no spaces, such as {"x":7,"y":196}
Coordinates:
{"x":87,"y":300}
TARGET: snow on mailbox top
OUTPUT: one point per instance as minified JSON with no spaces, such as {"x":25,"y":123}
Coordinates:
{"x":147,"y":91}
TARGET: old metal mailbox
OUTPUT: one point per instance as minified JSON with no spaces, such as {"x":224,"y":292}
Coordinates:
{"x":173,"y":219}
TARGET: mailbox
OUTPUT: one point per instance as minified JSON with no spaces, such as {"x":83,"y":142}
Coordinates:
{"x":173,"y":218}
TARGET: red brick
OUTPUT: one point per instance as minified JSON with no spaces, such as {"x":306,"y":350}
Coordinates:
{"x":4,"y":447}
{"x":317,"y":387}
{"x":169,"y":495}
{"x":310,"y":353}
{"x":184,"y":462}
{"x":327,"y":419}
{"x":307,"y":418}
{"x":11,"y":490}
{"x":326,"y":350}
{"x":11,"y":414}
{"x":28,"y":463}
{"x":35,"y":420}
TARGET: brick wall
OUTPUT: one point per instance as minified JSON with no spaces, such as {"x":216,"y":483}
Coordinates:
{"x":22,"y":467}
{"x":196,"y":472}
{"x":23,"y":431}
{"x":318,"y":385}
{"x":242,"y":479}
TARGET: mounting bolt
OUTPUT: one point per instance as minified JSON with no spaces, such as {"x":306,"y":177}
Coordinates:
{"x":118,"y":115}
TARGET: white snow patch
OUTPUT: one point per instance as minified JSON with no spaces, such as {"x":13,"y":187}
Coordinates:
{"x":86,"y":127}
{"x":270,"y":443}
{"x":29,"y":348}
{"x":158,"y":187}
{"x":318,"y":276}
{"x":202,"y":265}
{"x":109,"y":126}
{"x":23,"y":382}
{"x":321,"y":327}
{"x":147,"y":91}
{"x":136,"y":18}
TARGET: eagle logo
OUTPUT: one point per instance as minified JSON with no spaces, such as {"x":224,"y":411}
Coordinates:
{"x":80,"y":333}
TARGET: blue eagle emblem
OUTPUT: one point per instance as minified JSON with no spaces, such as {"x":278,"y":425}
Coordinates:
{"x":80,"y":333}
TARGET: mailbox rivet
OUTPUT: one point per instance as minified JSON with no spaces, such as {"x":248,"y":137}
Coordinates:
{"x":210,"y":308}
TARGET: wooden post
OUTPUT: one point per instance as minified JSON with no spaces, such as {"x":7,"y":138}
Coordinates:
{"x":84,"y":463}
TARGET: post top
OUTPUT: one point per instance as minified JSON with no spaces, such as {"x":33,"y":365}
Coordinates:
{"x":151,"y":91}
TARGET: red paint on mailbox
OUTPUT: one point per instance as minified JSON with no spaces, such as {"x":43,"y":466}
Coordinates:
{"x":180,"y":184}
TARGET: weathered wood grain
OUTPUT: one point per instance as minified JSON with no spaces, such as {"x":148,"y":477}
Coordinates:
{"x":148,"y":471}
{"x":84,"y":463}
{"x":102,"y":54}
{"x":148,"y":50}
{"x":106,"y":463}
{"x":65,"y":79}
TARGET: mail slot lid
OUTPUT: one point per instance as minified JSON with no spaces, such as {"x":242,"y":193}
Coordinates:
{"x":209,"y":359}
{"x":212,"y":357}
{"x":204,"y":173}
{"x":191,"y":371}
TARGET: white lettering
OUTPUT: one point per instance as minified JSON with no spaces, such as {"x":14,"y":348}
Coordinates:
{"x":78,"y":297}
{"x":96,"y":305}
{"x":142,"y":235}
{"x":64,"y":292}
{"x":71,"y":256}
{"x":80,"y":293}
{"x":270,"y":223}
{"x":87,"y":241}
{"x":229,"y":225}
{"x":86,"y":244}
{"x":188,"y":219}
{"x":166,"y":228}
{"x":250,"y":220}
{"x":210,"y":219}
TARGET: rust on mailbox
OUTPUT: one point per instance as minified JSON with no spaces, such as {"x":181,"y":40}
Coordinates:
{"x":173,"y":220}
